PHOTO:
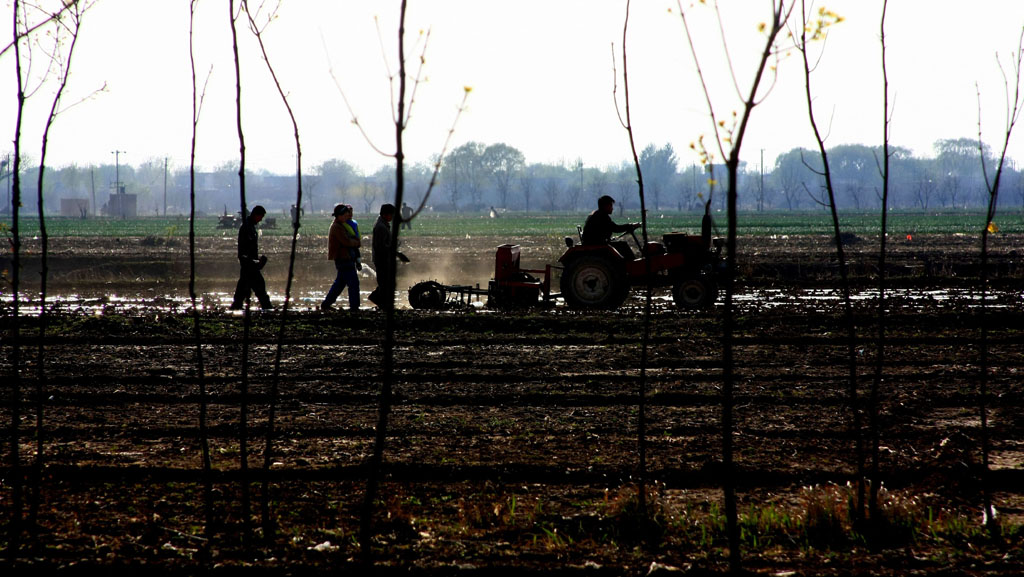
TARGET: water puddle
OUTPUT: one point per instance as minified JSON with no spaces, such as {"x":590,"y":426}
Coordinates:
{"x":818,"y":300}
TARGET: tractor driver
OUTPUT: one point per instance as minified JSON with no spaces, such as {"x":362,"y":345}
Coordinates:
{"x":599,"y":226}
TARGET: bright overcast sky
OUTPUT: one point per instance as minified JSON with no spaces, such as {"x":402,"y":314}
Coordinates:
{"x":541,"y":73}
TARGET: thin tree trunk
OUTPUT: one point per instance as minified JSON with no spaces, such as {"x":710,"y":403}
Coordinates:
{"x":17,"y":481}
{"x":72,"y":28}
{"x":876,"y":383}
{"x":268,"y":525}
{"x":204,"y":435}
{"x":243,"y":415}
{"x":848,"y":318}
{"x":1013,"y":114}
{"x":641,"y":422}
{"x":387,"y":362}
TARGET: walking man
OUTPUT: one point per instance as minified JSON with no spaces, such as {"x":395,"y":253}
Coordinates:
{"x":250,"y":280}
{"x":383,"y":263}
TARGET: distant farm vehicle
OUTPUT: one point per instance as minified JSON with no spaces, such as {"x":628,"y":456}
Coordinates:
{"x":594,"y":276}
{"x":227,"y":221}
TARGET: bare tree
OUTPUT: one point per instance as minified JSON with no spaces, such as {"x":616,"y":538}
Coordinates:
{"x":575,"y":190}
{"x":67,"y":27}
{"x":874,"y":421}
{"x":14,"y":441}
{"x":810,"y":31}
{"x":404,"y":100}
{"x":1013,"y":111}
{"x":729,"y":142}
{"x":49,"y":33}
{"x":923,"y":186}
{"x":204,"y":438}
{"x":243,"y":413}
{"x":526,"y":181}
{"x":257,"y":29}
{"x":309,"y":185}
{"x":552,"y":192}
{"x":371,"y":189}
{"x":625,"y":119}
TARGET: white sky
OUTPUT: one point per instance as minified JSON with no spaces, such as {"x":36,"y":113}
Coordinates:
{"x":541,"y":76}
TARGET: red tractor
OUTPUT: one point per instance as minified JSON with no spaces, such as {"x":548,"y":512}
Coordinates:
{"x":601,"y":276}
{"x":595,"y":276}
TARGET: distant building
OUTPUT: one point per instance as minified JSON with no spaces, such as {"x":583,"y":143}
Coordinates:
{"x":121,"y":206}
{"x":74,"y":207}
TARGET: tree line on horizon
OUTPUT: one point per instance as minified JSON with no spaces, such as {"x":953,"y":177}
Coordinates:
{"x":475,"y":177}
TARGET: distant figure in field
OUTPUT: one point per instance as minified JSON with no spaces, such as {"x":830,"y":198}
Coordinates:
{"x":406,"y":216}
{"x":493,"y":213}
{"x":343,"y":248}
{"x":251,"y":280}
{"x":599,"y":227}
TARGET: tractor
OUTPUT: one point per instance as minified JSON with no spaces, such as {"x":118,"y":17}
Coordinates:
{"x":601,"y":276}
{"x":595,"y":276}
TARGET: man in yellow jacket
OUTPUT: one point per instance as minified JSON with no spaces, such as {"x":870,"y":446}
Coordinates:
{"x":343,"y":248}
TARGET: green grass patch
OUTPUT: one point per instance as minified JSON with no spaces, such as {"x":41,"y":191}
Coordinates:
{"x":556,"y":225}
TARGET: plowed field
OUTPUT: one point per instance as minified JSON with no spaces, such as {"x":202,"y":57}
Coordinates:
{"x":514,"y":442}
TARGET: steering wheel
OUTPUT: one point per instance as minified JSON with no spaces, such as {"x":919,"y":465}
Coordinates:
{"x":631,"y":232}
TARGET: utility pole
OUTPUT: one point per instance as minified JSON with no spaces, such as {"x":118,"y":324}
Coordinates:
{"x":693,"y":178}
{"x":579,"y":162}
{"x":760,"y":197}
{"x":165,"y":186}
{"x":5,"y":172}
{"x":117,"y":181}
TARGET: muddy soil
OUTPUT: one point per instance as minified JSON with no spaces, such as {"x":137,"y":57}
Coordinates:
{"x":513,"y":441}
{"x":151,"y":267}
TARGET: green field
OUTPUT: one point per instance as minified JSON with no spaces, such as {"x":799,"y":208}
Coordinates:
{"x":535,"y":224}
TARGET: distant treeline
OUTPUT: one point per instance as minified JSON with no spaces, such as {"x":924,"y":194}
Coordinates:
{"x":475,"y":177}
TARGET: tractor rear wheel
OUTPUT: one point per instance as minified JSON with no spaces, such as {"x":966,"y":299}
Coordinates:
{"x":593,"y":282}
{"x":695,"y":293}
{"x":427,"y":295}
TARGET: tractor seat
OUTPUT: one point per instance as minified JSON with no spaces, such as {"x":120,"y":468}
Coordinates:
{"x":622,"y":247}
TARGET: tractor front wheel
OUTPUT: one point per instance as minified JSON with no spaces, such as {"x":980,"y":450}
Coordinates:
{"x":695,"y":293}
{"x":593,"y":282}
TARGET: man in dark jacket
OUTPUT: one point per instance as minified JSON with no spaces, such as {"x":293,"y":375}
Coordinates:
{"x":599,"y":226}
{"x":250,"y":280}
{"x":383,"y":264}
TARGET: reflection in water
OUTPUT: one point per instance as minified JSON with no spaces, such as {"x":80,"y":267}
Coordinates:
{"x":819,"y":300}
{"x":127,"y":304}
